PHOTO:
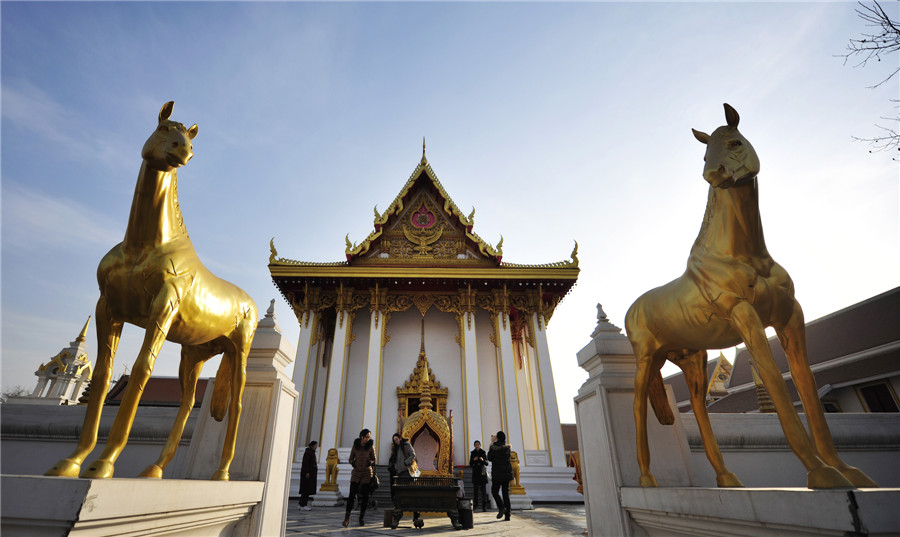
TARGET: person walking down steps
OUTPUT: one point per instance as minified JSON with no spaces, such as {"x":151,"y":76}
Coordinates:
{"x":478,"y":462}
{"x":362,"y":459}
{"x":501,"y":472}
{"x":308,"y":475}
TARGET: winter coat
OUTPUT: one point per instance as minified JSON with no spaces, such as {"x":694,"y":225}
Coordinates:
{"x":362,"y":459}
{"x":478,"y":460}
{"x":501,"y":468}
{"x":402,"y":457}
{"x":308,"y":466}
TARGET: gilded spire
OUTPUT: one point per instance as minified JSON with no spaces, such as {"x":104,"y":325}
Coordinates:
{"x":83,"y":335}
{"x":424,"y":381}
{"x":424,"y":160}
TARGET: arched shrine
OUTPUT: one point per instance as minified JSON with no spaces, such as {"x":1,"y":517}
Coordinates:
{"x":423,"y":279}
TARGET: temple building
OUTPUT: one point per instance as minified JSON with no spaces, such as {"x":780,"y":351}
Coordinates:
{"x":424,"y":329}
{"x":62,"y":379}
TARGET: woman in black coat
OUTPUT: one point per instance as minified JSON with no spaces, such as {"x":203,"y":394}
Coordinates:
{"x":309,"y":470}
{"x":501,"y":472}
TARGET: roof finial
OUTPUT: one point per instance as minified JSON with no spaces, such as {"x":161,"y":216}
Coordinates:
{"x":83,"y":335}
{"x":424,"y":160}
{"x":422,"y":350}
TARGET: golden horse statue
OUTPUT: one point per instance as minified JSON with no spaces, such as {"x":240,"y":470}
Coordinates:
{"x":153,"y":279}
{"x":730,"y":292}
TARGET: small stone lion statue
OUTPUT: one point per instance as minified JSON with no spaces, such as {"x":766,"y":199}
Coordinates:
{"x":331,"y":467}
{"x":516,"y":486}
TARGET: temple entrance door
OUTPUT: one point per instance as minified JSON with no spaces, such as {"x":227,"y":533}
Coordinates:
{"x":427,"y":445}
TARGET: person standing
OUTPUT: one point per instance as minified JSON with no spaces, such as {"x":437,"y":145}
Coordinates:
{"x":309,"y":469}
{"x":362,"y":459}
{"x":402,"y":458}
{"x":501,"y":472}
{"x":478,"y":463}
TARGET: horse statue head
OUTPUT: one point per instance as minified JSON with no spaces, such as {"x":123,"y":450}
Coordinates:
{"x":729,"y":159}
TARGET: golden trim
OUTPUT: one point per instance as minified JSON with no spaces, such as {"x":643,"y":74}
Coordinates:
{"x":428,"y":272}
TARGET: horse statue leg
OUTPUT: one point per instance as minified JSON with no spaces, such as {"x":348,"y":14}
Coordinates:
{"x":793,"y":340}
{"x":237,"y":357}
{"x":154,"y":337}
{"x":108,"y":334}
{"x":694,"y":367}
{"x":192,"y":360}
{"x":646,"y":370}
{"x":748,"y":324}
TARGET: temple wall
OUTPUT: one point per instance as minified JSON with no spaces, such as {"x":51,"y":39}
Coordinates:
{"x":488,"y":380}
{"x":355,"y":381}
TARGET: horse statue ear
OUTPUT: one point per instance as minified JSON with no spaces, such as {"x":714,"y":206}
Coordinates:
{"x":701,"y":136}
{"x":166,"y":111}
{"x":731,"y":116}
{"x":192,"y":132}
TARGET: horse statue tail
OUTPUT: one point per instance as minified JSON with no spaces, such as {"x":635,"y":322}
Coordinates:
{"x":222,"y":388}
{"x":658,"y":400}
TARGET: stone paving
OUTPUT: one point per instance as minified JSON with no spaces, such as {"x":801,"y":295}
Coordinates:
{"x":545,"y":520}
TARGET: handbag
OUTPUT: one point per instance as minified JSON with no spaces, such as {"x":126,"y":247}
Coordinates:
{"x":374,"y":483}
{"x":414,"y":469}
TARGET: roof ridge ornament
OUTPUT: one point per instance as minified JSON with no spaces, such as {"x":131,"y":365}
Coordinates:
{"x":424,"y":160}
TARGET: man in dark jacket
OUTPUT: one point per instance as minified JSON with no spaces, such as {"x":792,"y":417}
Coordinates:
{"x":308,"y":475}
{"x":478,"y":463}
{"x":501,"y":472}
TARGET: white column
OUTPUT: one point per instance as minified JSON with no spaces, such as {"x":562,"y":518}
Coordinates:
{"x":39,"y":389}
{"x":372,"y":401}
{"x":331,"y":420}
{"x":471,"y":385}
{"x":512,"y":417}
{"x":547,"y":395}
{"x":303,"y":378}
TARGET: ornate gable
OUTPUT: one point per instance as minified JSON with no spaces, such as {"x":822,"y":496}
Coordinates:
{"x":423,"y":226}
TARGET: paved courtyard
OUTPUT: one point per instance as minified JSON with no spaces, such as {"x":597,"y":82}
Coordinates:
{"x":550,"y":520}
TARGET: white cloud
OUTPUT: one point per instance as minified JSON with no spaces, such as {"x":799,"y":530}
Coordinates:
{"x":33,"y":220}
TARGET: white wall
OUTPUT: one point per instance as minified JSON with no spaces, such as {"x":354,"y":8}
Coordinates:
{"x":488,"y":378}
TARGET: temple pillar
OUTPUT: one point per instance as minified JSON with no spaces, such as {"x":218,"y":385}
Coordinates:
{"x":470,"y":383}
{"x":512,"y":419}
{"x":371,"y":399}
{"x":41,"y":385}
{"x":331,"y":419}
{"x":304,"y":377}
{"x":547,"y":393}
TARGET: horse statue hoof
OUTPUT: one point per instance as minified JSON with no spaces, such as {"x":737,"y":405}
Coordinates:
{"x":220,"y":475}
{"x":648,"y":481}
{"x":826,"y":477}
{"x":857,"y":477}
{"x":728,"y":480}
{"x":98,"y":470}
{"x":64,"y":468}
{"x":152,"y":471}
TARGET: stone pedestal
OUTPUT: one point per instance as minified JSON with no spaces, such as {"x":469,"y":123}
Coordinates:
{"x":38,"y":506}
{"x":606,"y":434}
{"x":769,"y":512}
{"x":327,"y":498}
{"x":265,"y":440}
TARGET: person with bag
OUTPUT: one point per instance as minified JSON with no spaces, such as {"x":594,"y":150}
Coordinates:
{"x":362,"y":459}
{"x":501,"y":472}
{"x":309,"y":470}
{"x":401,"y":464}
{"x":478,"y":462}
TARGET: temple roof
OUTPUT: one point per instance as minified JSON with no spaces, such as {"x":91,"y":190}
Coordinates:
{"x":423,"y":237}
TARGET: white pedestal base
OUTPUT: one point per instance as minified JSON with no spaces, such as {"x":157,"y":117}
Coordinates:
{"x":327,"y":499}
{"x":519,"y":502}
{"x":788,"y":512}
{"x":56,"y":506}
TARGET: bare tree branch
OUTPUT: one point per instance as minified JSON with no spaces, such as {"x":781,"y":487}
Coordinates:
{"x":881,"y":42}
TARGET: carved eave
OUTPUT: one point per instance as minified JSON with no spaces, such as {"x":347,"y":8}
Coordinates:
{"x":424,"y":174}
{"x":422,"y":243}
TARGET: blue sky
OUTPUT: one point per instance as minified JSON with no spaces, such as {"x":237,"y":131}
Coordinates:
{"x":557,"y":122}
